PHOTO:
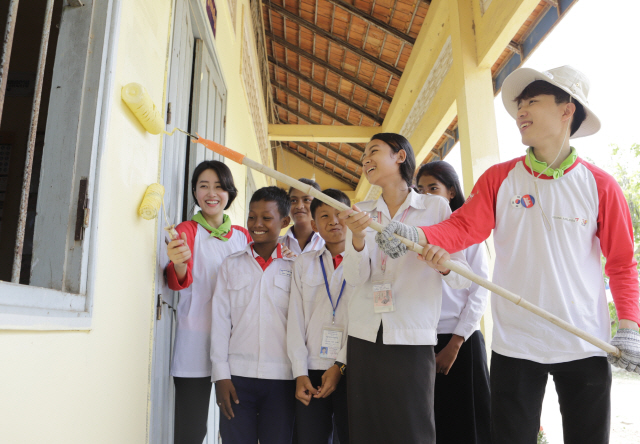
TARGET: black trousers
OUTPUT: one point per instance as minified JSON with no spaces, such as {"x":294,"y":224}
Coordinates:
{"x":191,"y":409}
{"x":390,"y":392}
{"x":265,"y":413}
{"x":462,"y":397}
{"x":517,"y":391}
{"x":315,"y":422}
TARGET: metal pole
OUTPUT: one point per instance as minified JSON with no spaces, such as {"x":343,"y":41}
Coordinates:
{"x":28,"y":163}
{"x":6,"y":50}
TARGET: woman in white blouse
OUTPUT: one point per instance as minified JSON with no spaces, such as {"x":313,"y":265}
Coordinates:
{"x":462,"y":378}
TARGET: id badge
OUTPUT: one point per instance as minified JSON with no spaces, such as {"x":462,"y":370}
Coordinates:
{"x":331,"y":341}
{"x":382,"y":295}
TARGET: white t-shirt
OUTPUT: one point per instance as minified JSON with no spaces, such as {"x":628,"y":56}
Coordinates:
{"x":290,"y":241}
{"x":559,"y":269}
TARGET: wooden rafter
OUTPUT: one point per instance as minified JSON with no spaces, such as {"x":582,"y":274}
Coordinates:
{"x":311,"y":103}
{"x":327,"y":158}
{"x":345,"y":180}
{"x":313,"y":122}
{"x":301,"y":77}
{"x":328,"y":67}
{"x":329,"y":36}
{"x":374,"y":21}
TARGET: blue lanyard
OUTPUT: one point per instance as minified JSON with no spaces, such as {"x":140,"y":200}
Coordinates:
{"x":326,"y":284}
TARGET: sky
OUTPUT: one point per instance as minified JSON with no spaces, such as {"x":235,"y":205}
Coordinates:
{"x":600,"y":39}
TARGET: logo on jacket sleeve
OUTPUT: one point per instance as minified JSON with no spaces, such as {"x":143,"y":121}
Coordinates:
{"x":526,"y":201}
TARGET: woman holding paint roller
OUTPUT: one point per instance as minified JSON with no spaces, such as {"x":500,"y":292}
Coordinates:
{"x":204,"y":242}
{"x":392,"y":320}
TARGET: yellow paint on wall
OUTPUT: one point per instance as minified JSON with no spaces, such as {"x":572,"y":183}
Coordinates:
{"x":92,"y":387}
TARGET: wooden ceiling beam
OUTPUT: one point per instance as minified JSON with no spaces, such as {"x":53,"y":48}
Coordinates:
{"x":328,"y":67}
{"x":374,"y":21}
{"x":329,"y":36}
{"x":298,"y":75}
{"x":309,"y":120}
{"x":311,"y":103}
{"x":327,"y":158}
{"x":324,"y":169}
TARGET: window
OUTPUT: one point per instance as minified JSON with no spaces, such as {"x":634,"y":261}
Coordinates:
{"x":50,"y":288}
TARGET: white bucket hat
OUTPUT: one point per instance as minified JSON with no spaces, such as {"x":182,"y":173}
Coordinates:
{"x":566,"y":78}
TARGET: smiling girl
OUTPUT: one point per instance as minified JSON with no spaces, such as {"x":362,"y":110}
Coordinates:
{"x":462,"y":376}
{"x":205,"y":241}
{"x":394,"y":310}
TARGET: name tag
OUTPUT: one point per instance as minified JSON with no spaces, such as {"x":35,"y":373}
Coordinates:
{"x":285,"y":273}
{"x":331,"y":341}
{"x":382,"y":295}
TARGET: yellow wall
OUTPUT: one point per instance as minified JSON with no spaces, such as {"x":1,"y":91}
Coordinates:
{"x":94,"y":387}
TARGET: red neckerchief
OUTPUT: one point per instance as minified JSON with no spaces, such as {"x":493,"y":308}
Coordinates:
{"x":264,"y":264}
{"x":337,"y":260}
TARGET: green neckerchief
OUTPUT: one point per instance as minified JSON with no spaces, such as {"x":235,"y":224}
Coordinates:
{"x":219,"y":232}
{"x":540,"y":167}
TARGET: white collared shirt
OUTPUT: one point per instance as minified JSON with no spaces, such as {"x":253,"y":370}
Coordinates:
{"x":290,"y":241}
{"x":416,"y":288}
{"x":310,"y":310}
{"x":248,"y":335}
{"x":462,"y":309}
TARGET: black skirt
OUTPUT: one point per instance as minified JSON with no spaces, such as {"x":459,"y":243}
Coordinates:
{"x":390,"y":392}
{"x":462,"y":397}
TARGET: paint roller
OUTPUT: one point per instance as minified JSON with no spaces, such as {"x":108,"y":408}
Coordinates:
{"x":139,"y":102}
{"x":152,"y":200}
{"x":461,"y":270}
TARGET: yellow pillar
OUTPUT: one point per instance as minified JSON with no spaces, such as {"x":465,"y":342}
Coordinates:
{"x":476,"y":114}
{"x":474,"y":98}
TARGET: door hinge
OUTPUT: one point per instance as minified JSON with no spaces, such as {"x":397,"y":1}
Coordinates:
{"x":159,"y":308}
{"x":169,"y":113}
{"x":82,"y":213}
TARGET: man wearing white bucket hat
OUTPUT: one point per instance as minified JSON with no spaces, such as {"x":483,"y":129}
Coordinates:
{"x":553,"y":214}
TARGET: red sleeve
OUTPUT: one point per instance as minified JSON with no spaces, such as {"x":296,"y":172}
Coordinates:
{"x":190,"y":228}
{"x":472,"y":222}
{"x":244,"y":231}
{"x":615,"y":231}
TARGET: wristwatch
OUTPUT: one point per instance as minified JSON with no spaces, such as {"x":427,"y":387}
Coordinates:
{"x":341,"y":366}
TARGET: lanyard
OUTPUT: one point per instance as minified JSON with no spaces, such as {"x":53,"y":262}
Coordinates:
{"x":326,"y":284}
{"x":383,"y":257}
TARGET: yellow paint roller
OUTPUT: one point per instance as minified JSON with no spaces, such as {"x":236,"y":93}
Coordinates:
{"x":141,"y":105}
{"x":139,"y":102}
{"x":152,"y":200}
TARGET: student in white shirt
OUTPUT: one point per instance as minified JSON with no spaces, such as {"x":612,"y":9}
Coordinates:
{"x":317,"y":330}
{"x":250,"y":366}
{"x":301,"y":238}
{"x":204,"y":242}
{"x":462,"y":376}
{"x":395,"y":307}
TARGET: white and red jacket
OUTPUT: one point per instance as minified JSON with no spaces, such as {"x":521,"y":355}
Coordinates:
{"x":193,"y":313}
{"x":558,"y":269}
{"x":250,"y":307}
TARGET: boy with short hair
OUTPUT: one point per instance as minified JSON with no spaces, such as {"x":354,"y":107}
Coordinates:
{"x":301,"y":238}
{"x":251,"y":369}
{"x":552,"y":214}
{"x":317,"y":330}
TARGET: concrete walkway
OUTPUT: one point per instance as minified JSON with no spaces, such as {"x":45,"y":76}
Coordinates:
{"x":625,"y":410}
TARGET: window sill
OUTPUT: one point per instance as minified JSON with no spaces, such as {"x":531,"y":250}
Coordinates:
{"x":34,"y":308}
